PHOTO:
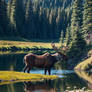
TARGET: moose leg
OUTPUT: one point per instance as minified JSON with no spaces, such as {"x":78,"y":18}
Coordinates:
{"x":45,"y":71}
{"x":49,"y":71}
{"x":24,"y":68}
{"x":28,"y":69}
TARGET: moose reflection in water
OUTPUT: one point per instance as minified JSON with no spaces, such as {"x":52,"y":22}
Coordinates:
{"x":39,"y":87}
{"x":45,"y":61}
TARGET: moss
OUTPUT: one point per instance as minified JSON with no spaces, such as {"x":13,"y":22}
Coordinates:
{"x":85,"y":65}
{"x":19,"y":76}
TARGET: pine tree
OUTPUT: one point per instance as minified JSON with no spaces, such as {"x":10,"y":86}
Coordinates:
{"x":15,"y":13}
{"x":87,"y":20}
{"x":67,"y":40}
{"x":78,"y":46}
{"x":29,"y":23}
{"x":3,"y":18}
{"x":76,"y":19}
{"x":62,"y":38}
{"x":11,"y":10}
{"x":19,"y":16}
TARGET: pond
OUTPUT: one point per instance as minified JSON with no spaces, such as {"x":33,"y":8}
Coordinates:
{"x":68,"y":80}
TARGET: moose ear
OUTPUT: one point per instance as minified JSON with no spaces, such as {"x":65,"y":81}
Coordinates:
{"x":54,"y":47}
{"x":53,"y":44}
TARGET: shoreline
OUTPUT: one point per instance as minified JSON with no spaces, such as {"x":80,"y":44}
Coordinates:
{"x":14,"y":46}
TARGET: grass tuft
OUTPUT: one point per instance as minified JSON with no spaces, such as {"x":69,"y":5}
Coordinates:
{"x":12,"y":76}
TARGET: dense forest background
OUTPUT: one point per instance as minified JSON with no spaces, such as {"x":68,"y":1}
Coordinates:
{"x":70,"y":21}
{"x":35,"y":19}
{"x":40,"y":19}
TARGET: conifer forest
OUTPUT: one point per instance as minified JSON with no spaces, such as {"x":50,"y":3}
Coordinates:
{"x":38,"y":19}
{"x":68,"y":21}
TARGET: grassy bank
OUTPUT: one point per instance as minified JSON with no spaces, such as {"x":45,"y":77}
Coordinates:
{"x":85,"y":75}
{"x":24,"y":46}
{"x":12,"y":76}
{"x":85,"y":65}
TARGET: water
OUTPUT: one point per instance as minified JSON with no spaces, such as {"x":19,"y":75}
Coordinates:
{"x":68,"y":80}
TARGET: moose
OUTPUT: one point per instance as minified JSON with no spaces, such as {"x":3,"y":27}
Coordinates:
{"x":44,"y":86}
{"x":45,"y":61}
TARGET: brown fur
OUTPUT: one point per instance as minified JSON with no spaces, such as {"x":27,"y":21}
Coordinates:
{"x":45,"y":61}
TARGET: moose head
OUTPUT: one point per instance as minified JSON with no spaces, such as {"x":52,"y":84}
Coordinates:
{"x":59,"y":54}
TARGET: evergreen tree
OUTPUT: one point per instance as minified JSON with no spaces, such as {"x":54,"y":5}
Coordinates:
{"x":76,"y":19}
{"x":67,"y":40}
{"x":62,"y":38}
{"x":87,"y":20}
{"x":11,"y":10}
{"x":29,"y":23}
{"x":15,"y":15}
{"x":19,"y":16}
{"x":3,"y":18}
{"x":78,"y":46}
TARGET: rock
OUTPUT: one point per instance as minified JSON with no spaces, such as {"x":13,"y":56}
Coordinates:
{"x":83,"y":88}
{"x":75,"y":87}
{"x":68,"y":87}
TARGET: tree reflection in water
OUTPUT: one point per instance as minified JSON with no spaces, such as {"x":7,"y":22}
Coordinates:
{"x":87,"y":77}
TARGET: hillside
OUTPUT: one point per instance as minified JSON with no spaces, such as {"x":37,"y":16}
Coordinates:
{"x":85,"y":65}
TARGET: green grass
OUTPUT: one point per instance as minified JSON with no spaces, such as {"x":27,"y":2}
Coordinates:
{"x":12,"y":76}
{"x":23,"y":45}
{"x":85,"y":65}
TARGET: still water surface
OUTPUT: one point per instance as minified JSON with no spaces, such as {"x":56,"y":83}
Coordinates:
{"x":68,"y":80}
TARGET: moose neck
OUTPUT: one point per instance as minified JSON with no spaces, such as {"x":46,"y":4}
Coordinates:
{"x":64,"y":57}
{"x":55,"y":57}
